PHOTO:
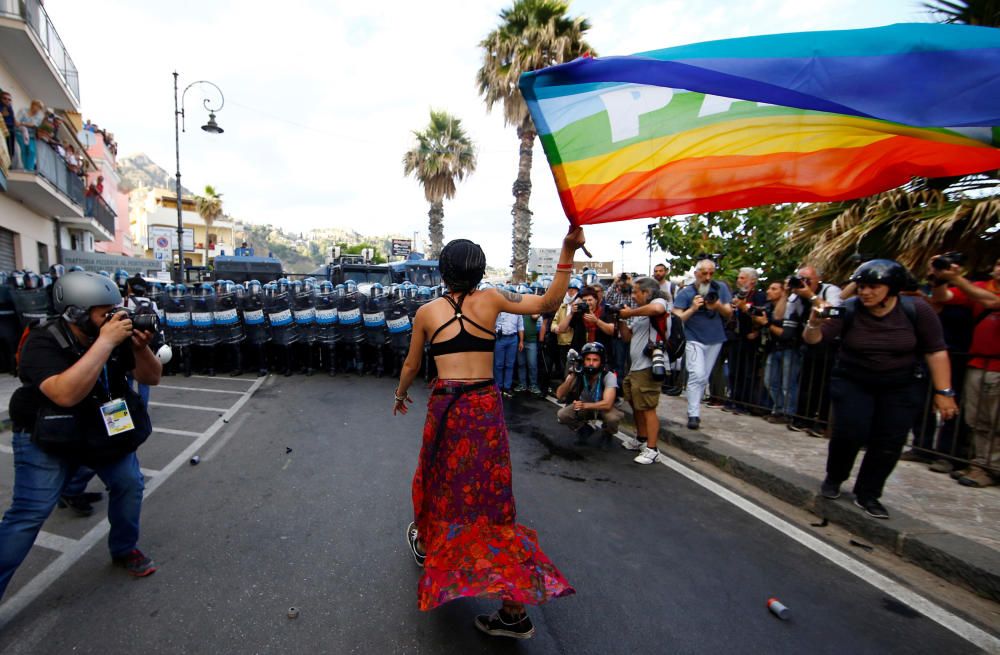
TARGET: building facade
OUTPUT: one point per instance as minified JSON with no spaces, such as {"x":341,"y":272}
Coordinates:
{"x":153,"y":221}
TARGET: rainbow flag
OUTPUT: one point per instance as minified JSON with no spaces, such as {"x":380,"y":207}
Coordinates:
{"x":805,"y":117}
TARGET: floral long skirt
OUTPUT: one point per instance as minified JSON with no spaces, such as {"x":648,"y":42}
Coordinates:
{"x":464,"y":506}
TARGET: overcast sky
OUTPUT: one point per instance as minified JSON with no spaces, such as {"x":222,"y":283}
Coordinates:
{"x":321,"y":99}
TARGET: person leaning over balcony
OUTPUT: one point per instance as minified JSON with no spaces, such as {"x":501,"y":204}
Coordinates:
{"x":7,"y":113}
{"x":877,"y":385}
{"x":26,"y":134}
{"x":981,"y":393}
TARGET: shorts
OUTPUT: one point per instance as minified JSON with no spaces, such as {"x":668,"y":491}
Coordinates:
{"x":640,"y":389}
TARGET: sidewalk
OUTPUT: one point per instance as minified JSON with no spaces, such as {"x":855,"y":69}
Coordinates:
{"x":939,"y":525}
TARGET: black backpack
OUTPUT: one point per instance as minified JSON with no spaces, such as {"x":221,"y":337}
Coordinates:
{"x":674,"y":342}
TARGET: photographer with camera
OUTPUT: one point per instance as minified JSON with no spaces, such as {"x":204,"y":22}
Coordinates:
{"x":704,"y":307}
{"x":561,"y":328}
{"x":878,"y":382}
{"x":981,"y":391}
{"x":589,"y":390}
{"x":744,"y":350}
{"x":645,"y":328}
{"x":76,"y":408}
{"x":619,"y":295}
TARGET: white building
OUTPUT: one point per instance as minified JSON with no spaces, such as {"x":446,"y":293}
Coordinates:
{"x":42,"y":209}
{"x":153,"y":217}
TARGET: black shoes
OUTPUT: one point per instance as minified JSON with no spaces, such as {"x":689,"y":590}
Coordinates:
{"x":412,"y":537}
{"x":502,"y":624}
{"x":694,"y":423}
{"x":80,"y":504}
{"x":872,"y":507}
{"x":830,"y":490}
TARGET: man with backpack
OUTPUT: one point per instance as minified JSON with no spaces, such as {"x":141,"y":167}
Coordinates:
{"x":589,"y":392}
{"x":646,"y":330}
{"x":75,"y":408}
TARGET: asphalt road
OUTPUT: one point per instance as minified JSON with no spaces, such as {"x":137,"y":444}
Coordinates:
{"x":301,"y":500}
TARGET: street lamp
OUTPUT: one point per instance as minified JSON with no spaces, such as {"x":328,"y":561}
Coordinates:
{"x":212,"y":128}
{"x":624,"y":243}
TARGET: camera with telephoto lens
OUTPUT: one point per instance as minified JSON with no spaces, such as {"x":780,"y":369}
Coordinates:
{"x":144,"y":321}
{"x":711,"y":297}
{"x":830,"y":312}
{"x":654,"y":350}
{"x":581,"y":307}
{"x":945,"y":261}
{"x":574,"y":363}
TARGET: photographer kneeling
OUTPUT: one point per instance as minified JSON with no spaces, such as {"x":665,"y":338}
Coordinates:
{"x":590,"y":390}
{"x":76,"y":408}
{"x":878,"y":383}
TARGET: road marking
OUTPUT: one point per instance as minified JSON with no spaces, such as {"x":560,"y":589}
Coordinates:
{"x":180,"y":433}
{"x":198,"y":407}
{"x":6,"y":449}
{"x":224,"y":439}
{"x":936,"y":613}
{"x":173,"y":386}
{"x":149,"y":473}
{"x":212,"y":377}
{"x":37,"y":585}
{"x":55,"y":542}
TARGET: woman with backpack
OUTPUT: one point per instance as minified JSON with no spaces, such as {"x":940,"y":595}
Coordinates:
{"x":878,"y":382}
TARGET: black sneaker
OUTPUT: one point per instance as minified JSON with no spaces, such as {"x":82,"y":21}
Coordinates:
{"x":796,"y":426}
{"x":694,"y":423}
{"x":79,"y":504}
{"x":411,"y":539}
{"x":136,"y":564}
{"x":502,"y":624}
{"x":872,"y":507}
{"x":830,"y":489}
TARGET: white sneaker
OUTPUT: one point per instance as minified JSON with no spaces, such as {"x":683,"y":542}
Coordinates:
{"x":647,"y":456}
{"x":631,"y":443}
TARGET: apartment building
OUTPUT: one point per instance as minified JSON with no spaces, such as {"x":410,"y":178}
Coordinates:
{"x":153,"y":219}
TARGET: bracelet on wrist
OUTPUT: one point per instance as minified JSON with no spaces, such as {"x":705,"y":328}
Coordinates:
{"x":398,"y":398}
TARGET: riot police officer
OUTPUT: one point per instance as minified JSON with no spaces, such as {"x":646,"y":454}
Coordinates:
{"x":351,"y":327}
{"x":282,"y":324}
{"x":179,"y":332}
{"x":206,"y":337}
{"x":304,"y":313}
{"x":227,"y":323}
{"x":255,"y":324}
{"x":327,"y":335}
{"x":376,"y":331}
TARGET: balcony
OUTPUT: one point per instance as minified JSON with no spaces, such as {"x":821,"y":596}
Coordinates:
{"x":35,"y":55}
{"x":98,"y":219}
{"x":51,"y":189}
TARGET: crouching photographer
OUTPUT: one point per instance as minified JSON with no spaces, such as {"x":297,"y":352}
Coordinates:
{"x":590,"y":390}
{"x":878,"y":382}
{"x":75,"y":409}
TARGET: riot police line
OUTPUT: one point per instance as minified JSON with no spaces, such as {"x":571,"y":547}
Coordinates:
{"x":283,"y":326}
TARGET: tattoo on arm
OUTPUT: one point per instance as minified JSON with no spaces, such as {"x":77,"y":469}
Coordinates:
{"x":511,"y":296}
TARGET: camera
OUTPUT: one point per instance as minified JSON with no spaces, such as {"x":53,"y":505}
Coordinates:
{"x":142,"y":321}
{"x":654,"y":350}
{"x":758,"y":311}
{"x":711,"y":297}
{"x":945,"y":261}
{"x":795,"y":282}
{"x":581,"y":307}
{"x":574,"y":363}
{"x":830,"y":312}
{"x":742,"y":294}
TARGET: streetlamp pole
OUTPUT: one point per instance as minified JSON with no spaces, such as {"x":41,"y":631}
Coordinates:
{"x":624,"y":243}
{"x":212,"y":128}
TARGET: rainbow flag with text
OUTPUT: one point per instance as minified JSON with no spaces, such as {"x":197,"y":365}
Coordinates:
{"x":805,"y":117}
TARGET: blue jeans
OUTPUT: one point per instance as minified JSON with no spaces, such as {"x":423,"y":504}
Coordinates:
{"x":527,"y":365}
{"x":39,"y":478}
{"x":28,"y":150}
{"x":504,"y":357}
{"x":77,"y":484}
{"x":782,"y":378}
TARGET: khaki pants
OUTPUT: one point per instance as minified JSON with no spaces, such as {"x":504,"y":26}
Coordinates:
{"x":575,"y":420}
{"x":981,"y":406}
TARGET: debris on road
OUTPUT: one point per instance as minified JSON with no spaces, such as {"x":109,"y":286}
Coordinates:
{"x":195,"y":460}
{"x":293,"y":612}
{"x":777,"y":609}
{"x":862,"y":545}
{"x":822,"y":524}
{"x":287,"y":450}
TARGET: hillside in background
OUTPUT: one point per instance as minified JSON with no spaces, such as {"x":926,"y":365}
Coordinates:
{"x":139,"y":170}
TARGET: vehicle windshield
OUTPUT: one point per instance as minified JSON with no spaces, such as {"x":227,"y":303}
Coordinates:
{"x":424,"y":276}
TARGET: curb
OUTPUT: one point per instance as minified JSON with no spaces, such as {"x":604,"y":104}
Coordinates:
{"x":959,"y":560}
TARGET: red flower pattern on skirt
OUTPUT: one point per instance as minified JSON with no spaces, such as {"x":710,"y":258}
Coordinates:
{"x":464,"y":508}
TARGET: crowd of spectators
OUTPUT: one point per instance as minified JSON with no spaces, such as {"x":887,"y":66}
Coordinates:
{"x":746,"y":352}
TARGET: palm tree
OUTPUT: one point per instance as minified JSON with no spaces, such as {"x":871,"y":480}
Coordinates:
{"x":442,"y":155}
{"x":920,"y":219}
{"x":209,"y":208}
{"x":532,"y":34}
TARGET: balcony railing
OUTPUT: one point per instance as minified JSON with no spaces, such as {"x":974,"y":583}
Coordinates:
{"x":53,"y":168}
{"x":101,"y":212}
{"x":32,"y":13}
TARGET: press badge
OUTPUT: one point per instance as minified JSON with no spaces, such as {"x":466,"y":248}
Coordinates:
{"x":116,"y":417}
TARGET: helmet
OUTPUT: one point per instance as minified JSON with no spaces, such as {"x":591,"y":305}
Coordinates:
{"x":523,"y":289}
{"x":165,"y":353}
{"x":376,"y":291}
{"x":32,"y":280}
{"x":57,"y":271}
{"x":326,"y":288}
{"x":882,"y":271}
{"x":46,"y":281}
{"x":178,"y":290}
{"x":74,"y":294}
{"x":271,"y":290}
{"x":575,"y":283}
{"x":485,"y":285}
{"x":351,"y":286}
{"x":537,"y":288}
{"x":282,"y":284}
{"x":121,"y":278}
{"x":138,"y":285}
{"x":592,"y":348}
{"x":589,"y":277}
{"x":254,"y":288}
{"x":295,"y":286}
{"x":104,"y":273}
{"x":74,"y":268}
{"x":424,"y":293}
{"x":341,"y":289}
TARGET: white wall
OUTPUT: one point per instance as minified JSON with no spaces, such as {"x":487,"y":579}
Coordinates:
{"x":29,"y":230}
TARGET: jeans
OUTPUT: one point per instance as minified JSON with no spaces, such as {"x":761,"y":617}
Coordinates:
{"x":39,"y":478}
{"x":700,"y":358}
{"x":782,"y":375}
{"x":504,"y":358}
{"x":527,"y":365}
{"x":876,"y":414}
{"x":77,"y":483}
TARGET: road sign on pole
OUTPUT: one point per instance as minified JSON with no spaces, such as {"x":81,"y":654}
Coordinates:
{"x":401,"y":247}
